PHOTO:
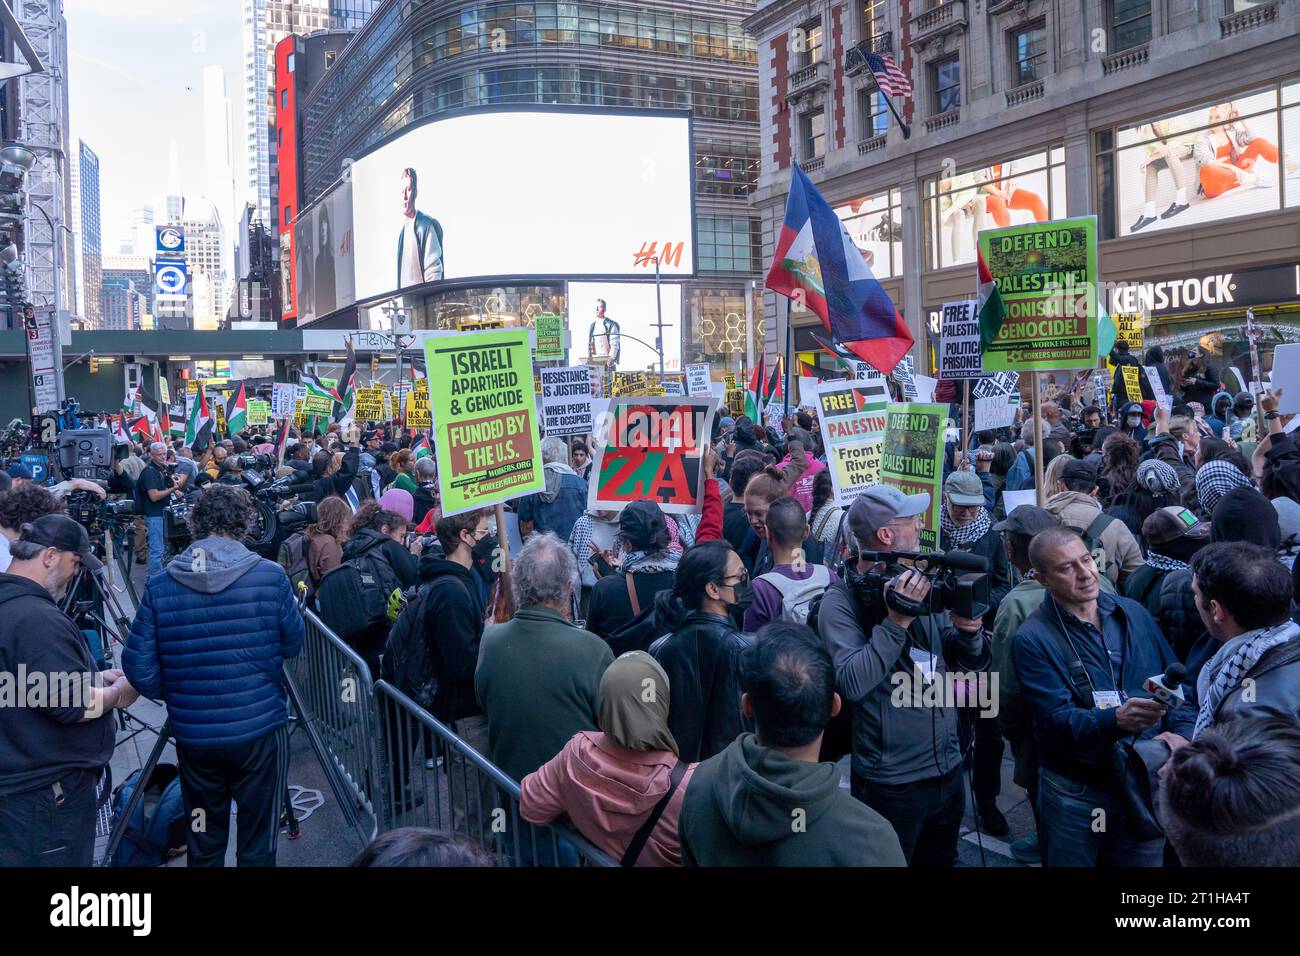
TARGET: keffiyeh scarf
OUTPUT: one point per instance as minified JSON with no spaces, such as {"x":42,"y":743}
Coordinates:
{"x":1163,"y":562}
{"x":967,"y":533}
{"x":1215,"y":479}
{"x":1224,"y":673}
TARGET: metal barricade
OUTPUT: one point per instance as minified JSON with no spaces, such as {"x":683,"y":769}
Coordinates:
{"x":433,"y":778}
{"x":337,"y":699}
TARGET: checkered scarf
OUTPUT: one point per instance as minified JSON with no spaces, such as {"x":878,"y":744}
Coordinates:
{"x":1224,"y":673}
{"x":1215,"y":479}
{"x":967,"y":533}
{"x":1157,"y":477}
{"x":1162,"y":562}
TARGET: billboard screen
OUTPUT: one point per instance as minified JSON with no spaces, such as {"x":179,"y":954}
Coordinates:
{"x":543,"y":192}
{"x":323,"y":256}
{"x":1217,"y":161}
{"x":606,"y":319}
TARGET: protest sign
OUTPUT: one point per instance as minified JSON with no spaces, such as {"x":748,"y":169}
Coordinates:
{"x":808,"y":390}
{"x":912,"y":459}
{"x":1286,"y":376}
{"x":1011,"y":500}
{"x":1129,"y":326}
{"x":862,"y":371}
{"x":164,"y":391}
{"x":999,"y":383}
{"x":597,"y":374}
{"x":959,"y":341}
{"x":371,"y":404}
{"x":481,"y":398}
{"x":735,"y":402}
{"x":549,"y":330}
{"x":672,"y":386}
{"x":902,"y":374}
{"x":259,"y":412}
{"x":1132,"y":386}
{"x":995,"y":411}
{"x":1046,"y":273}
{"x":924,"y":386}
{"x":1157,"y":386}
{"x":282,"y":399}
{"x":418,"y":412}
{"x":697,"y":380}
{"x":649,"y":449}
{"x":566,"y":400}
{"x":299,"y":414}
{"x":853,"y":428}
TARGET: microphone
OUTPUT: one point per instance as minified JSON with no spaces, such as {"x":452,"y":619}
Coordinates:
{"x":1168,"y":687}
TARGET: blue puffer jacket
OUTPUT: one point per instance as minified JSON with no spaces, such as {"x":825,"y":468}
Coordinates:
{"x":210,"y":638}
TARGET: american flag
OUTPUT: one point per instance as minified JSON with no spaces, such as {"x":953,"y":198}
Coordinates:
{"x":889,"y":77}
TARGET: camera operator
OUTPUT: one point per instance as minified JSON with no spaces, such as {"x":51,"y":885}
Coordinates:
{"x":906,"y":759}
{"x":153,"y":490}
{"x":333,"y":470}
{"x":52,"y":752}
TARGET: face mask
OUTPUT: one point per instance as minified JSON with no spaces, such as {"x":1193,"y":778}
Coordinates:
{"x":485,"y":546}
{"x":1134,"y":421}
{"x":744,"y":596}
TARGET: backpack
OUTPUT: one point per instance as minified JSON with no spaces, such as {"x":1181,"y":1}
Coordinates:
{"x":798,"y":597}
{"x":293,"y":558}
{"x":1092,"y":539}
{"x":354,"y":596}
{"x":406,"y":662}
{"x":640,"y":632}
{"x":158,"y":825}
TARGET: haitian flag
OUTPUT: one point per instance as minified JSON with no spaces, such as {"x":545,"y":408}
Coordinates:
{"x":815,"y":254}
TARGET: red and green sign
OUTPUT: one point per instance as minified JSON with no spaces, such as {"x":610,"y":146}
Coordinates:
{"x":650,"y":449}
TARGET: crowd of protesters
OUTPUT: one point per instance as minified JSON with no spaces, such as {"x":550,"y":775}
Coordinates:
{"x":722,"y":688}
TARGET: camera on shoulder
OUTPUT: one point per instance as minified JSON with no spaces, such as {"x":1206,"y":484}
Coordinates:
{"x":959,"y":582}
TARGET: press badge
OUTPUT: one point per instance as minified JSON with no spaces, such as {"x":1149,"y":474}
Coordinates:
{"x":923,"y":663}
{"x":1106,"y":699}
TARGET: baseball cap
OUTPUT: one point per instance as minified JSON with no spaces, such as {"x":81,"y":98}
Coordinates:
{"x":1079,"y":471}
{"x":642,"y":522}
{"x":60,"y":531}
{"x":1027,"y":520}
{"x":18,"y":470}
{"x":879,"y":505}
{"x":964,"y":488}
{"x":1171,"y":523}
{"x":728,"y":421}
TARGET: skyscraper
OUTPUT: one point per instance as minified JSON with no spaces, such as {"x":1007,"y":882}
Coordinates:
{"x":266,"y":23}
{"x":89,"y":239}
{"x":219,"y":174}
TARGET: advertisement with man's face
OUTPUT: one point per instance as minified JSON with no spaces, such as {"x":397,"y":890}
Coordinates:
{"x":524,"y":193}
{"x":1015,"y":192}
{"x":607,"y":318}
{"x":323,"y":256}
{"x":1217,"y":161}
{"x":875,"y":223}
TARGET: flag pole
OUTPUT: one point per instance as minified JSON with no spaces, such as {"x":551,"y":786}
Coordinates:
{"x":907,"y":130}
{"x":966,"y":418}
{"x":1038,"y":441}
{"x":789,"y":354}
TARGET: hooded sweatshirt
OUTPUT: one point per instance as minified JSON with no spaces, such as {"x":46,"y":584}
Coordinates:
{"x":751,"y":805}
{"x":211,"y":636}
{"x":1079,"y":511}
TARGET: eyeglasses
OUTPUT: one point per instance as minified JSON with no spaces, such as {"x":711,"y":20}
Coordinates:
{"x":728,"y":583}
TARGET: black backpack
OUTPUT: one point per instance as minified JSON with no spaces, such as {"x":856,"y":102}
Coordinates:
{"x":1092,"y":538}
{"x":159,"y":824}
{"x":407,"y":663}
{"x":354,"y":596}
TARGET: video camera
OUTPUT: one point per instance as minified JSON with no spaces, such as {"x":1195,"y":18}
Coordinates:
{"x":959,"y":582}
{"x":85,"y":452}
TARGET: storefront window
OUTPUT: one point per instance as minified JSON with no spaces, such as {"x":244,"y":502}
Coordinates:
{"x":489,"y":308}
{"x":717,"y":332}
{"x":1022,"y":190}
{"x":876,"y":225}
{"x":1220,"y":160}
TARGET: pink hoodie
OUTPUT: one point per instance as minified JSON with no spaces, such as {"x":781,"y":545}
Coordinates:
{"x":801,"y":490}
{"x":607,"y":792}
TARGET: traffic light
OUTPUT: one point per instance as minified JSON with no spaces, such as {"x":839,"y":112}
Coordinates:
{"x":94,"y":365}
{"x":374,"y":363}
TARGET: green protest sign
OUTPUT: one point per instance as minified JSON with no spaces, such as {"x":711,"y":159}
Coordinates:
{"x":549,"y":330}
{"x":912,"y":459}
{"x":1046,"y":273}
{"x":259,"y":412}
{"x":481,"y":398}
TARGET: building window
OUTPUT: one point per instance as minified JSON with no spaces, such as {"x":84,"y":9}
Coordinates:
{"x":812,"y":134}
{"x":729,"y":244}
{"x":875,"y":18}
{"x":946,"y":78}
{"x":875,"y":224}
{"x":284,"y":99}
{"x":1130,"y":24}
{"x":1028,"y":54}
{"x":812,"y":43}
{"x":872,"y":113}
{"x":288,"y":215}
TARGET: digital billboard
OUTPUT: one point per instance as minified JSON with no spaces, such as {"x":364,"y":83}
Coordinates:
{"x":1216,"y":161}
{"x":324,"y":264}
{"x":607,"y":318}
{"x":547,"y":193}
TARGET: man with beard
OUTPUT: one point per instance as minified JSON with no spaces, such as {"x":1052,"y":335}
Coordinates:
{"x":58,"y":732}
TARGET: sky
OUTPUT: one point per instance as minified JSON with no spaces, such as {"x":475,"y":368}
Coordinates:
{"x":135,"y":83}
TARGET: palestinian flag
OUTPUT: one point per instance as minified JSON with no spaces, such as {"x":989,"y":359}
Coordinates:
{"x":120,"y":437}
{"x":152,"y":410}
{"x":807,"y":370}
{"x":991,"y":309}
{"x":842,"y":355}
{"x":237,"y":411}
{"x":775,"y":391}
{"x":324,"y":387}
{"x":346,"y":390}
{"x":754,"y":393}
{"x":199,"y":422}
{"x":421,"y":448}
{"x":141,"y":429}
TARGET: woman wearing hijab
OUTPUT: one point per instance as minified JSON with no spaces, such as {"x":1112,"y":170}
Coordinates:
{"x":399,"y":500}
{"x":622,"y":787}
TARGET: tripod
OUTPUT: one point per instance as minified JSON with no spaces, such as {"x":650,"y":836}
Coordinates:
{"x":317,"y":745}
